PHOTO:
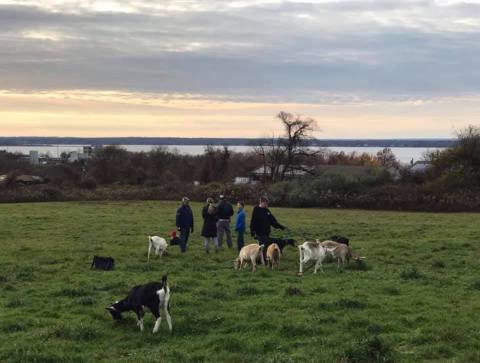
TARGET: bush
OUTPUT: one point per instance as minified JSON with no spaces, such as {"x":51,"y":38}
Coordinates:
{"x":88,"y":183}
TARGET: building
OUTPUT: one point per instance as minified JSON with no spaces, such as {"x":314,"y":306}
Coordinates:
{"x":294,"y":172}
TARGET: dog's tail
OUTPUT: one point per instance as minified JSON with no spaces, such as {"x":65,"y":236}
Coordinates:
{"x":164,"y":281}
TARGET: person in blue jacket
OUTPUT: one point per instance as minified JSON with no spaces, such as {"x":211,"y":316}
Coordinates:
{"x":240,"y":225}
{"x":184,"y":221}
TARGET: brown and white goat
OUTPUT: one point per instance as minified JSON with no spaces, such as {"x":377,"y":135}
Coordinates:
{"x":341,"y":252}
{"x":249,"y":253}
{"x":273,"y":255}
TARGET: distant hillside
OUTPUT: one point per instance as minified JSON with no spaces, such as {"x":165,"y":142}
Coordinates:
{"x":23,"y":141}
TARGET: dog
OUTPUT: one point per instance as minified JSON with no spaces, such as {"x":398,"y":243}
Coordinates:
{"x":340,"y":239}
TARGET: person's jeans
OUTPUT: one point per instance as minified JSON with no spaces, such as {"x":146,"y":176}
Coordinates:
{"x":223,"y":226}
{"x":240,"y":239}
{"x":207,"y":243}
{"x":184,"y":234}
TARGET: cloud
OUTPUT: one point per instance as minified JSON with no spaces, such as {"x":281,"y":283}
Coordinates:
{"x":267,"y":50}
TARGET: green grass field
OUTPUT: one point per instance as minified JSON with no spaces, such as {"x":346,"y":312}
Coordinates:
{"x":417,"y":298}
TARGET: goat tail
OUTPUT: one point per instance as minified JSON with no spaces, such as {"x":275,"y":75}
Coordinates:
{"x":262,"y":247}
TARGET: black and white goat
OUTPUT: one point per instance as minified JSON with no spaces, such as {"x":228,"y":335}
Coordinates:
{"x":159,"y":244}
{"x":154,"y":295}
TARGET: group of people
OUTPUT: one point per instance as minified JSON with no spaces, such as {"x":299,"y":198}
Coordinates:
{"x":216,"y":223}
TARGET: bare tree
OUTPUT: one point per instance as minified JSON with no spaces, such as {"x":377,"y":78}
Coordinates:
{"x":298,"y":131}
{"x":284,"y":155}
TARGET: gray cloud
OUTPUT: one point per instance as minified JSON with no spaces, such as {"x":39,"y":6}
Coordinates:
{"x":265,"y":50}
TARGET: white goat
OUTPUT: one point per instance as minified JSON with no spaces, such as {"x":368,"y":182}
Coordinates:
{"x":311,"y":251}
{"x":249,"y":252}
{"x":159,"y":244}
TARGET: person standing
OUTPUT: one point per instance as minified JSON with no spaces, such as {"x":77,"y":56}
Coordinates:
{"x":184,"y":222}
{"x":261,"y":223}
{"x":224,"y":212}
{"x":240,"y":225}
{"x":209,"y":229}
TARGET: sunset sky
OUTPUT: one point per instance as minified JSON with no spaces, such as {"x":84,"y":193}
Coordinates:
{"x":224,"y":68}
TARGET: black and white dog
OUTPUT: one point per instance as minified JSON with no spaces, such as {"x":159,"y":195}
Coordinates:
{"x":103,"y":263}
{"x":281,"y":242}
{"x":154,"y":295}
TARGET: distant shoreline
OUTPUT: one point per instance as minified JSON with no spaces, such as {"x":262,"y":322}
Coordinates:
{"x":174,"y":141}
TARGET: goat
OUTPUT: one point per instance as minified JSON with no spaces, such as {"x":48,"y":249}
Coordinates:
{"x":340,"y":239}
{"x":273,"y":255}
{"x":311,"y":251}
{"x":154,"y":295}
{"x":158,"y":244}
{"x":341,"y":252}
{"x":249,"y":252}
{"x":103,"y":263}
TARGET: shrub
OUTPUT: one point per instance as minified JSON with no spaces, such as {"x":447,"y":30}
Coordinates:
{"x":88,"y":183}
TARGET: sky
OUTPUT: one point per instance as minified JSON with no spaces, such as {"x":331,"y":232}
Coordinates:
{"x":225,"y":68}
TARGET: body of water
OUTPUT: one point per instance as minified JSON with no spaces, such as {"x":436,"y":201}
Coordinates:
{"x":403,"y":154}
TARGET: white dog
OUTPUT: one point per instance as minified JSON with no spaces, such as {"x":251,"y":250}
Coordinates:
{"x":159,"y":244}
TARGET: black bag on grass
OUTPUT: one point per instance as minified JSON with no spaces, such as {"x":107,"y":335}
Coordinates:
{"x":103,"y":263}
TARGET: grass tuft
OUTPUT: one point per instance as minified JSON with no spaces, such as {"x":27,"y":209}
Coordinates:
{"x":391,"y":290}
{"x":358,"y":265}
{"x":475,"y":285}
{"x":438,"y":264}
{"x":247,"y":291}
{"x":411,"y":274}
{"x":293,"y":291}
{"x":14,"y":303}
{"x":369,"y":350}
{"x":350,"y":304}
{"x":72,"y":292}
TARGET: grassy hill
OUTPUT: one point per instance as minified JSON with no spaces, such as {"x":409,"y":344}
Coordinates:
{"x":417,"y":298}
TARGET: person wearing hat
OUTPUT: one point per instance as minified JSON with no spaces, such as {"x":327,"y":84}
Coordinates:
{"x":224,"y":213}
{"x":209,"y":229}
{"x":184,"y":222}
{"x":261,"y":223}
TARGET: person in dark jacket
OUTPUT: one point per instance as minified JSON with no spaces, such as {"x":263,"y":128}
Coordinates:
{"x":240,"y":225}
{"x":261,"y":223}
{"x":224,"y":212}
{"x":209,"y":229}
{"x":184,"y":221}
